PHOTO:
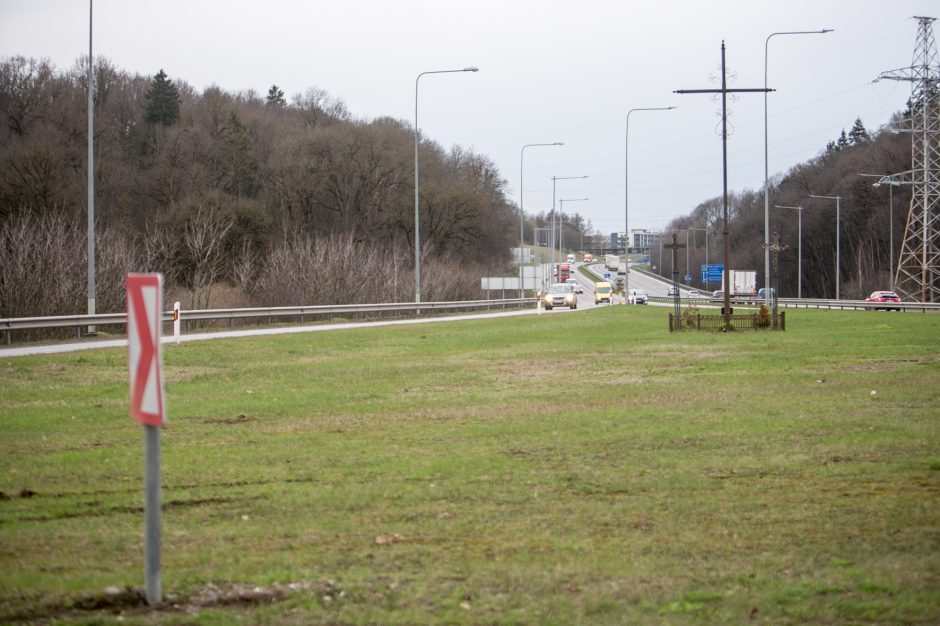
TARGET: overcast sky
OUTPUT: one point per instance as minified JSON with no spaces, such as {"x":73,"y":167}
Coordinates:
{"x":549,"y":71}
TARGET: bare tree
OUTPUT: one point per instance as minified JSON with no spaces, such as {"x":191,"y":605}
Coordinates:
{"x":204,"y":244}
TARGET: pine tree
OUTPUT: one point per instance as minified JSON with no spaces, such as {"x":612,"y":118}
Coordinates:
{"x":858,"y":135}
{"x":242,"y":166}
{"x":276,"y":97}
{"x":163,"y":101}
{"x":843,"y":141}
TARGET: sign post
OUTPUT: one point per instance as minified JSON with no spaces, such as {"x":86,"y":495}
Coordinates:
{"x":147,"y":406}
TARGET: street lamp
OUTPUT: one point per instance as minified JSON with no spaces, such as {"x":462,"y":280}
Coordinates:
{"x":626,"y":190}
{"x":766,"y":163}
{"x":521,"y":211}
{"x":417,"y":137}
{"x":706,"y":252}
{"x":91,"y":180}
{"x":891,"y":182}
{"x":556,"y":178}
{"x":799,"y":247}
{"x":561,"y":220}
{"x":837,"y":199}
{"x":538,"y":253}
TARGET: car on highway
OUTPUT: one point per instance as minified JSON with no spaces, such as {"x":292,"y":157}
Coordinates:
{"x":559,"y":294}
{"x":884,"y":298}
{"x":693,"y":294}
{"x":602,"y":291}
{"x":762,"y":293}
{"x":638,"y":296}
{"x":672,"y":292}
{"x":575,"y":285}
{"x":718,"y":295}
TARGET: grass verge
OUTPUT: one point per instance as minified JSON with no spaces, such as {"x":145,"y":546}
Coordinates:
{"x":556,"y":469}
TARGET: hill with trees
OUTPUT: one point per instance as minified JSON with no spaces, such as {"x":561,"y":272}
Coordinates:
{"x":238,"y":199}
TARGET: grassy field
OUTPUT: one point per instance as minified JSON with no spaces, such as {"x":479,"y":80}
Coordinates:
{"x":585,"y":468}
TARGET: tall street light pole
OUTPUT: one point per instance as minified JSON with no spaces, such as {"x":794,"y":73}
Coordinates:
{"x":891,"y":185}
{"x":551,"y":245}
{"x":705,"y":230}
{"x":417,"y":139}
{"x":626,"y":190}
{"x":538,"y":253}
{"x":766,"y":161}
{"x":837,"y":199}
{"x":891,"y":181}
{"x":687,"y":231}
{"x":561,"y":219}
{"x":799,"y":248}
{"x":91,"y":173}
{"x":521,"y":211}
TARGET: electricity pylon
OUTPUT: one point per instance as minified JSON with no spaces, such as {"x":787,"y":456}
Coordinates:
{"x":918,"y":270}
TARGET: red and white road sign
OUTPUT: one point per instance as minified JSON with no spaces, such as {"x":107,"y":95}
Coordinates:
{"x":144,"y":362}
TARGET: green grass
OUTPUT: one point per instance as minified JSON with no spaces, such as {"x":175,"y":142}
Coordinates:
{"x":585,"y":468}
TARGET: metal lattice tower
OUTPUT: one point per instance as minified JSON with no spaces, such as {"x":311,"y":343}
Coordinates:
{"x":918,"y":270}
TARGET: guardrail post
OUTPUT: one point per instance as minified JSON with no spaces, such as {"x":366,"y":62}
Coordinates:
{"x":176,"y":321}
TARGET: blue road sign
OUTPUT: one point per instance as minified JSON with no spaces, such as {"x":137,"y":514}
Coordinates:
{"x":607,"y":275}
{"x":688,"y":278}
{"x":712,"y":273}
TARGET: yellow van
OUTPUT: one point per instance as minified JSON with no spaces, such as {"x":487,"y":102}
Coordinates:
{"x":602,"y":291}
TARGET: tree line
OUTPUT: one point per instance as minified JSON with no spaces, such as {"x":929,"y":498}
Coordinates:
{"x":238,"y":198}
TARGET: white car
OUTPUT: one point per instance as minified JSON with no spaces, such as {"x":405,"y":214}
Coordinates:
{"x":575,"y":285}
{"x":638,"y":296}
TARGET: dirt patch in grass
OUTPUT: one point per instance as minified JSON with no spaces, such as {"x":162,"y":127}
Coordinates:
{"x":95,"y":508}
{"x":131,"y":601}
{"x":241,"y":418}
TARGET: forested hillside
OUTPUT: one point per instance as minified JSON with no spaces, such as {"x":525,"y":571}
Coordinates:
{"x":864,"y":219}
{"x":237,"y":198}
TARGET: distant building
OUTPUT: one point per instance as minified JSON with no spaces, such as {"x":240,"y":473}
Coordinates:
{"x":640,"y":239}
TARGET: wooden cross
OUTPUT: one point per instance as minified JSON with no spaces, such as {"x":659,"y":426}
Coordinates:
{"x":675,"y":246}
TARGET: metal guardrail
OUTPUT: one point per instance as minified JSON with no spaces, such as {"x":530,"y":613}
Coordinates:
{"x":8,"y":325}
{"x":809,"y":303}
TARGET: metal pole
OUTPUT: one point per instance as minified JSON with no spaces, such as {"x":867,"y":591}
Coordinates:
{"x":706,"y":259}
{"x":687,"y":231}
{"x":766,"y":160}
{"x":891,"y":232}
{"x":626,"y":189}
{"x":838,"y":200}
{"x":551,"y":246}
{"x":152,"y":516}
{"x":521,"y":211}
{"x":799,"y":253}
{"x":417,"y":221}
{"x":838,"y":259}
{"x":799,"y":261}
{"x":660,"y":253}
{"x":91,"y":173}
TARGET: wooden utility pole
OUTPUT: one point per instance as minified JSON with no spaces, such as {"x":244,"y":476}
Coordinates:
{"x":724,"y":91}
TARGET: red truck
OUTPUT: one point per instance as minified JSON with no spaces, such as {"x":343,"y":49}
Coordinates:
{"x":564,"y":272}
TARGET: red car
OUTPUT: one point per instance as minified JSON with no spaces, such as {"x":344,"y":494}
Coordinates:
{"x":883,"y":297}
